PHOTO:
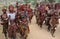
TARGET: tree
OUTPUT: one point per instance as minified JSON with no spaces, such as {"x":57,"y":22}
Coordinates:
{"x":51,"y":1}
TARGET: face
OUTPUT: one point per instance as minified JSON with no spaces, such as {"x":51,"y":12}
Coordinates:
{"x":4,"y":11}
{"x":11,"y":8}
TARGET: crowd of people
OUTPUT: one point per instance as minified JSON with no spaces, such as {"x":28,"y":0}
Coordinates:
{"x":49,"y":13}
{"x":16,"y":21}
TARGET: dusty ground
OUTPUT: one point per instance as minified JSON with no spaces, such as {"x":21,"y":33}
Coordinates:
{"x":36,"y":32}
